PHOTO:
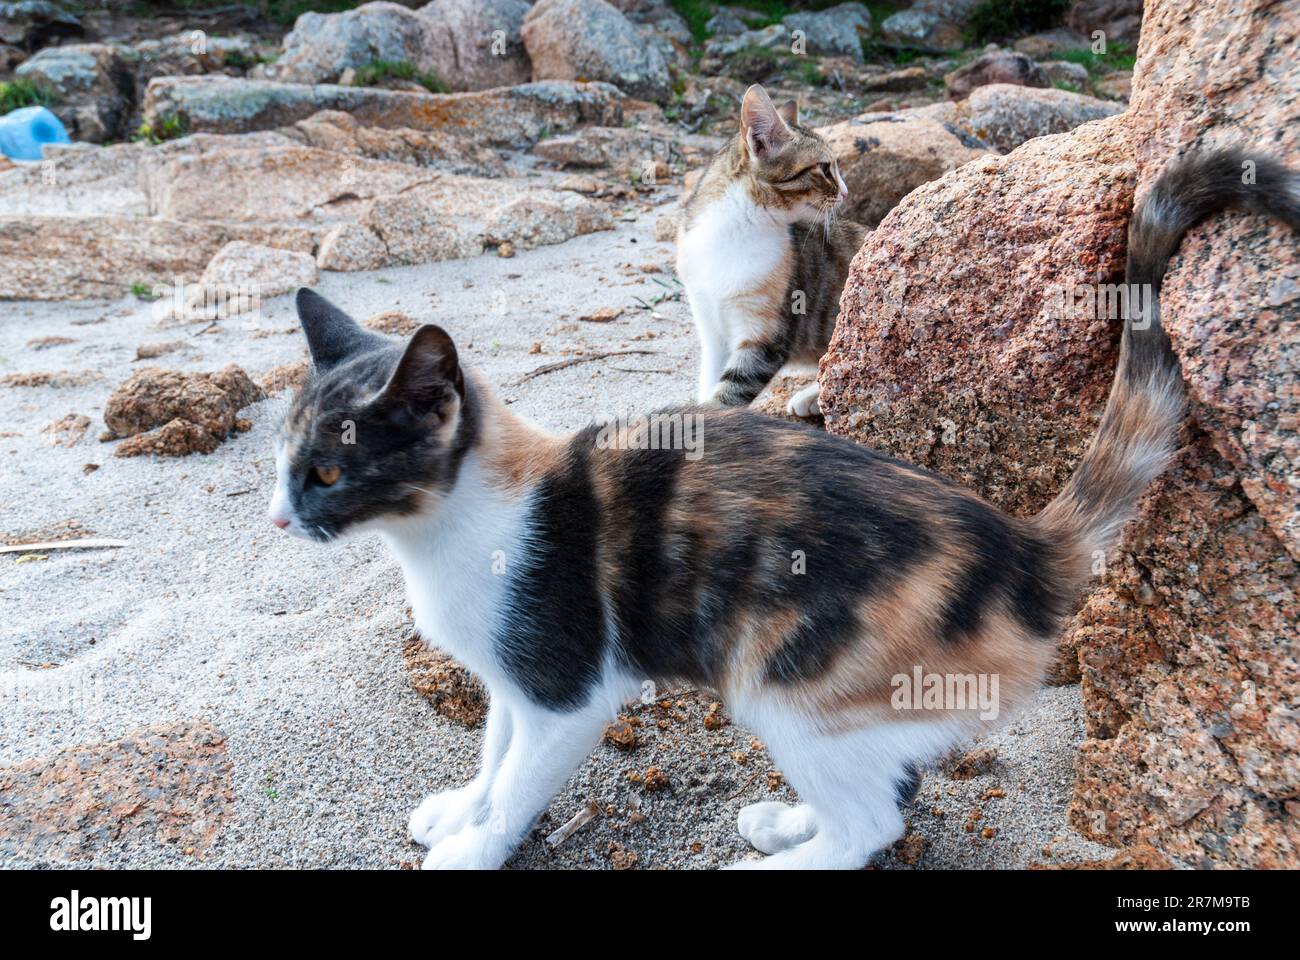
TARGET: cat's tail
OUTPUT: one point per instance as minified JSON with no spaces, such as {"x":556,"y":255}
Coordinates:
{"x":1139,"y":430}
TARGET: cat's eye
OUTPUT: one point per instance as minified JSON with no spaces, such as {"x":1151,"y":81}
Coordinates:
{"x":328,"y":476}
{"x":826,"y":171}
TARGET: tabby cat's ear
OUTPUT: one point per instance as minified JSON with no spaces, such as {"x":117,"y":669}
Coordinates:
{"x":789,"y":112}
{"x":427,"y":381}
{"x":332,"y":336}
{"x":764,"y":130}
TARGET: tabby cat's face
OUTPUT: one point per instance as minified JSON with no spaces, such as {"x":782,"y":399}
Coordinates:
{"x":376,"y":434}
{"x":788,"y":168}
{"x":802,"y":178}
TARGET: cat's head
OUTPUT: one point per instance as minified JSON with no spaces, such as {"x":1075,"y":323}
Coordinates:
{"x":787,"y":167}
{"x":378,"y":431}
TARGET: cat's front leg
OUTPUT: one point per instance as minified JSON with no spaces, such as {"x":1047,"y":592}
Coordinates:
{"x":546,"y":746}
{"x":441,"y":814}
{"x":714,"y":352}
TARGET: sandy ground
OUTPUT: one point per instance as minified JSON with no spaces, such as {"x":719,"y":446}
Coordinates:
{"x":293,"y":651}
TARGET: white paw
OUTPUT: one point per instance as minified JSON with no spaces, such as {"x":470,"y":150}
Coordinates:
{"x":805,"y":403}
{"x":772,"y":827}
{"x":442,"y":814}
{"x":473,"y":848}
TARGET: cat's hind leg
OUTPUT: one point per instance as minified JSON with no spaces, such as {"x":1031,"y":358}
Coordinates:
{"x":851,"y":783}
{"x":806,"y":403}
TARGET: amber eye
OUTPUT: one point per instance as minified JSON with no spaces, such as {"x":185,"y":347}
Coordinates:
{"x":328,"y":475}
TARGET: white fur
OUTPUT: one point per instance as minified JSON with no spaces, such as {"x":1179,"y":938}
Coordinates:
{"x":457,"y":567}
{"x":806,"y":403}
{"x":847,"y":780}
{"x":731,"y":249}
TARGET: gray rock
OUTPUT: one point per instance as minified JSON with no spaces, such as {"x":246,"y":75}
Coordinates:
{"x":591,"y":40}
{"x":1000,"y":67}
{"x":545,"y":217}
{"x":32,"y":24}
{"x":321,"y":46}
{"x":1006,"y":116}
{"x":1063,"y":72}
{"x":1040,"y":46}
{"x":1119,"y":20}
{"x":94,"y":85}
{"x":508,"y":116}
{"x":836,"y":32}
{"x":481,"y":46}
{"x":918,"y":28}
{"x":775,"y":37}
{"x":725,"y":24}
{"x":10,"y":57}
{"x":179,"y":56}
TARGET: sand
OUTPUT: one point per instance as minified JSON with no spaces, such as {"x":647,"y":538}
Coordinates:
{"x":293,"y":651}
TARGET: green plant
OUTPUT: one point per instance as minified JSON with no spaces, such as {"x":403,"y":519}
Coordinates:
{"x":696,"y":13}
{"x":376,"y":72}
{"x":998,"y":19}
{"x":1118,"y":56}
{"x":170,"y":128}
{"x":142,"y":291}
{"x":21,"y":92}
{"x":244,"y":61}
{"x":808,"y":71}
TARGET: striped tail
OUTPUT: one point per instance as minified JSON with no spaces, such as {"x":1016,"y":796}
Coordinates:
{"x":1139,"y":430}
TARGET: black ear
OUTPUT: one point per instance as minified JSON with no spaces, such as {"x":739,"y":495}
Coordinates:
{"x":427,"y":379}
{"x":332,"y":336}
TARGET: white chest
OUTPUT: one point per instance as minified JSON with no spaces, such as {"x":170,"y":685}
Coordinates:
{"x":457,"y":568}
{"x":732,"y":248}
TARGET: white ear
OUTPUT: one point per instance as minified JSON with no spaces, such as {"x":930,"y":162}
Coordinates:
{"x":761,"y":124}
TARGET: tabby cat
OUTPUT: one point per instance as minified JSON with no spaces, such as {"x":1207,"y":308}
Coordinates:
{"x":799,"y":574}
{"x":762,"y":255}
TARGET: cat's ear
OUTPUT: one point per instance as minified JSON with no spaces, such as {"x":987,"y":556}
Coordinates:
{"x":332,"y":336}
{"x":789,"y":112}
{"x":761,"y":125}
{"x":427,"y":381}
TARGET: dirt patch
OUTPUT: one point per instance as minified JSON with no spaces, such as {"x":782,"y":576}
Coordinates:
{"x":286,"y":376}
{"x":51,"y":378}
{"x":68,"y":430}
{"x":151,"y":351}
{"x":453,"y":690}
{"x":165,"y":785}
{"x":172,"y":413}
{"x":63,"y":530}
{"x":392,"y":322}
{"x":44,"y":343}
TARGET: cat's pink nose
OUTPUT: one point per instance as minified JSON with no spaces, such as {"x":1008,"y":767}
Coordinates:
{"x":280,"y":522}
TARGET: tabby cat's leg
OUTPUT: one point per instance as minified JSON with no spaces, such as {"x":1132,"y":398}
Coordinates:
{"x":713,"y":361}
{"x":545,"y":748}
{"x":442,"y":814}
{"x":807,"y":402}
{"x":750,"y":368}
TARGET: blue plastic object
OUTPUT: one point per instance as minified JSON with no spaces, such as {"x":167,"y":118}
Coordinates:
{"x":25,"y":131}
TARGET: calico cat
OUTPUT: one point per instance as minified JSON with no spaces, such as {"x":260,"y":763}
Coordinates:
{"x":799,"y":574}
{"x":762,"y":256}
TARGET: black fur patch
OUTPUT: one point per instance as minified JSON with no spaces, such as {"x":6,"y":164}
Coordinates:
{"x":554,"y":644}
